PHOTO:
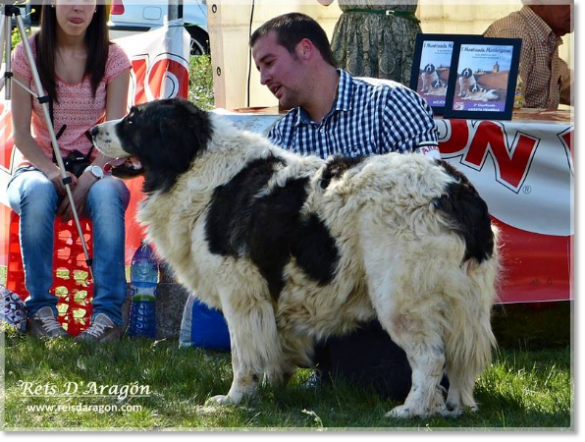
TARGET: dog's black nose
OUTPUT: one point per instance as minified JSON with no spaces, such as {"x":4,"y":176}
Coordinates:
{"x":94,"y":131}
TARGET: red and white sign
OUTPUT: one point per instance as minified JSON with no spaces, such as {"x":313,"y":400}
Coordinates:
{"x":524,"y":171}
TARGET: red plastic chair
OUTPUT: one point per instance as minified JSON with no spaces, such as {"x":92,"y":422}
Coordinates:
{"x":71,"y":279}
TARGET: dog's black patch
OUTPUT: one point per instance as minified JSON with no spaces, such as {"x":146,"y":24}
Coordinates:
{"x":270,"y":229}
{"x":470,"y":214}
{"x":151,"y":131}
{"x":336,"y":167}
{"x":230,"y":215}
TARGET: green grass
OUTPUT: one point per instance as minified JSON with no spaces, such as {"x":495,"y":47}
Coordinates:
{"x":523,"y":389}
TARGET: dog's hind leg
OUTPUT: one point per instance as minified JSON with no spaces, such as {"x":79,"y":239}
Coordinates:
{"x":424,"y":349}
{"x":470,"y":338}
{"x":255,"y":347}
{"x":405,"y":308}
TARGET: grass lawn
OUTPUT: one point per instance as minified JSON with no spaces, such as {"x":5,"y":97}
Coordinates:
{"x":522,"y":389}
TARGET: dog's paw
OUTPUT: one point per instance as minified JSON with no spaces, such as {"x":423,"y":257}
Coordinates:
{"x":408,"y":411}
{"x":451,"y":411}
{"x":219,"y":400}
{"x":400,"y":412}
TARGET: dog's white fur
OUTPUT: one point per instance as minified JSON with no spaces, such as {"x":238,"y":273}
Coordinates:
{"x":466,"y":82}
{"x":428,"y":76}
{"x":483,"y":95}
{"x":399,"y":261}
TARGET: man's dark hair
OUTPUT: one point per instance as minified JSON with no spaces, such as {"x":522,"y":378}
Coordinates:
{"x":291,"y":29}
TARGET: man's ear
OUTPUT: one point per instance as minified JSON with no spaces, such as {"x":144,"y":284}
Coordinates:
{"x":305,"y":49}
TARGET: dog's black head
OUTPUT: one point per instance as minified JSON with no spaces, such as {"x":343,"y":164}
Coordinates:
{"x":429,"y":68}
{"x":466,"y":73}
{"x":164,"y":135}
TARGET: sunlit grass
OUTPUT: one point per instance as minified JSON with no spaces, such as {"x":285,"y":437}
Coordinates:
{"x":522,"y":389}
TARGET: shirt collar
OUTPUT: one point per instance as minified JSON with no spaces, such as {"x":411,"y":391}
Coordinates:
{"x":543,"y":31}
{"x":342,"y":101}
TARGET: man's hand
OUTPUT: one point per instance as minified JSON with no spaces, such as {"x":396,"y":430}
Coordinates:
{"x":80,"y":192}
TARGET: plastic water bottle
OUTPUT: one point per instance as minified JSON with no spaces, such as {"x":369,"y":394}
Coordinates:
{"x":144,"y":278}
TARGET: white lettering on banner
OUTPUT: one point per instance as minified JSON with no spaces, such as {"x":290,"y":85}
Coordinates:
{"x":517,"y":168}
{"x":166,"y":77}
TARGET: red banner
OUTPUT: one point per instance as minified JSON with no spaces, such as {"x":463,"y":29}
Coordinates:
{"x":524,"y":170}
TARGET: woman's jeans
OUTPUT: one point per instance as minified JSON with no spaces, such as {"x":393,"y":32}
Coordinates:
{"x":35,"y":199}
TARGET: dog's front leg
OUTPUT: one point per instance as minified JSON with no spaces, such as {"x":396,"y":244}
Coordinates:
{"x":243,"y":384}
{"x":254,"y":346}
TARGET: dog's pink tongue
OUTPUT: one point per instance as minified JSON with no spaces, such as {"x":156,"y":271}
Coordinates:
{"x":129,"y":162}
{"x":117,"y":162}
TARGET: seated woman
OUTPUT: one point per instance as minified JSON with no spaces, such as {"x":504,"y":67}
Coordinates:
{"x":87,"y":79}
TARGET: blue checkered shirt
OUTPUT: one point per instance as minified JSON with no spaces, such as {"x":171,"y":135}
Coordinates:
{"x":366,"y":119}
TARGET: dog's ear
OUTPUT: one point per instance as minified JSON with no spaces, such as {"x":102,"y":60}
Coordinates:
{"x":177,"y":149}
{"x":189,"y":128}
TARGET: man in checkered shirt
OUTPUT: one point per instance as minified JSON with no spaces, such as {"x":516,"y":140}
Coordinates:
{"x":547,"y":80}
{"x":336,"y":114}
{"x":332,"y":112}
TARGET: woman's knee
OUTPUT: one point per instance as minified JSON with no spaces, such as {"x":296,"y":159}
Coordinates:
{"x":33,"y":193}
{"x":108,"y":194}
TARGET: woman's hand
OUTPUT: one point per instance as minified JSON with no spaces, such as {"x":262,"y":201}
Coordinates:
{"x":80,"y":192}
{"x":55,"y":176}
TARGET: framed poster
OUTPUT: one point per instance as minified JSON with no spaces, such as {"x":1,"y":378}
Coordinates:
{"x":431,"y":67}
{"x":482,"y":80}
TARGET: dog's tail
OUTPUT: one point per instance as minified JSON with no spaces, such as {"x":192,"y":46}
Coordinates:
{"x":469,"y":337}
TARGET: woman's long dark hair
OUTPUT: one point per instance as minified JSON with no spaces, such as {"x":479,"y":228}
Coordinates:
{"x":97,"y":40}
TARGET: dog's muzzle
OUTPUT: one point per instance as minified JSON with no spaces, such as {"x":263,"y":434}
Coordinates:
{"x":106,"y":141}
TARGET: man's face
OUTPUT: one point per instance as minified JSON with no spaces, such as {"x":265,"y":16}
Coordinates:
{"x":280,"y":70}
{"x":558,"y":17}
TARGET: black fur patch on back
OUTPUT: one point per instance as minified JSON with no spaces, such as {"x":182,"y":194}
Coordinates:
{"x":469,"y":213}
{"x":336,"y":167}
{"x":270,"y":229}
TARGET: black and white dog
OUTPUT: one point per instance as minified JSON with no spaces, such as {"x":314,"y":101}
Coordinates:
{"x":294,"y":249}
{"x":429,"y":77}
{"x":466,"y":82}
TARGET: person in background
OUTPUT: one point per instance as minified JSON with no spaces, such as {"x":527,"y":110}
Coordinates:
{"x":546,"y":78}
{"x":376,"y":38}
{"x":87,"y":79}
{"x":332,"y":114}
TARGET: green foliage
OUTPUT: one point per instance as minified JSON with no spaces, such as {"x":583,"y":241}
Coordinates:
{"x":201,"y":82}
{"x":16,"y":36}
{"x":522,"y":389}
